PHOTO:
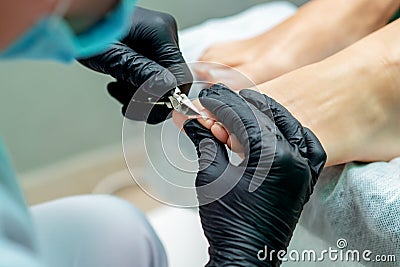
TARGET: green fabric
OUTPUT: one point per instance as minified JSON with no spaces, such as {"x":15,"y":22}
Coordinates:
{"x":18,"y":245}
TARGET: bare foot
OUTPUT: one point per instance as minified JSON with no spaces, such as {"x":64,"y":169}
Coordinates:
{"x":349,"y":100}
{"x":253,"y":58}
{"x":298,"y":41}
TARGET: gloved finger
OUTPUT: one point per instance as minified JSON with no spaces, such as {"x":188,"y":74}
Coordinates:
{"x":213,"y":157}
{"x":121,"y":91}
{"x":315,"y":152}
{"x":151,"y":28}
{"x":125,"y":64}
{"x":137,"y":110}
{"x":182,"y":73}
{"x":158,"y":39}
{"x":151,"y":114}
{"x":254,"y":130}
{"x":288,"y":125}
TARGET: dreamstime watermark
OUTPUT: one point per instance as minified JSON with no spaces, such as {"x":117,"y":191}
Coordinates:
{"x":340,"y":253}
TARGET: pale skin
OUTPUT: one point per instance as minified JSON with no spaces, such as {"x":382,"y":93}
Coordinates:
{"x":317,"y":30}
{"x":350,"y":100}
{"x":17,"y":16}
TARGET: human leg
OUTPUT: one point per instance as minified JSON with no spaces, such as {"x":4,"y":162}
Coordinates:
{"x":96,"y":231}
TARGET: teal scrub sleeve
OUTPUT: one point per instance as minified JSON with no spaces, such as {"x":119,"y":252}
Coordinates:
{"x":18,"y":245}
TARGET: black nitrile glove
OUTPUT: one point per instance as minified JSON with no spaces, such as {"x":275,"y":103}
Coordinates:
{"x":258,"y":203}
{"x":144,"y":55}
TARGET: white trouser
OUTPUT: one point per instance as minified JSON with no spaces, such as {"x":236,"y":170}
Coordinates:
{"x":96,"y":231}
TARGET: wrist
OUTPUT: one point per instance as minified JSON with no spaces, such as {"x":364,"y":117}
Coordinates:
{"x":254,"y":248}
{"x":260,"y":256}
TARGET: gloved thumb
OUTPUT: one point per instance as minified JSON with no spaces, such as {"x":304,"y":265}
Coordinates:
{"x":213,"y":157}
{"x":121,"y":91}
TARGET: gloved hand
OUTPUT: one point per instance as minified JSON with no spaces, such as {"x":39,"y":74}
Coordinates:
{"x":257,"y":203}
{"x":144,"y":55}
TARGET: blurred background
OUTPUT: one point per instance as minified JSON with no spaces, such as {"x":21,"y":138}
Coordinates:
{"x":50,"y":112}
